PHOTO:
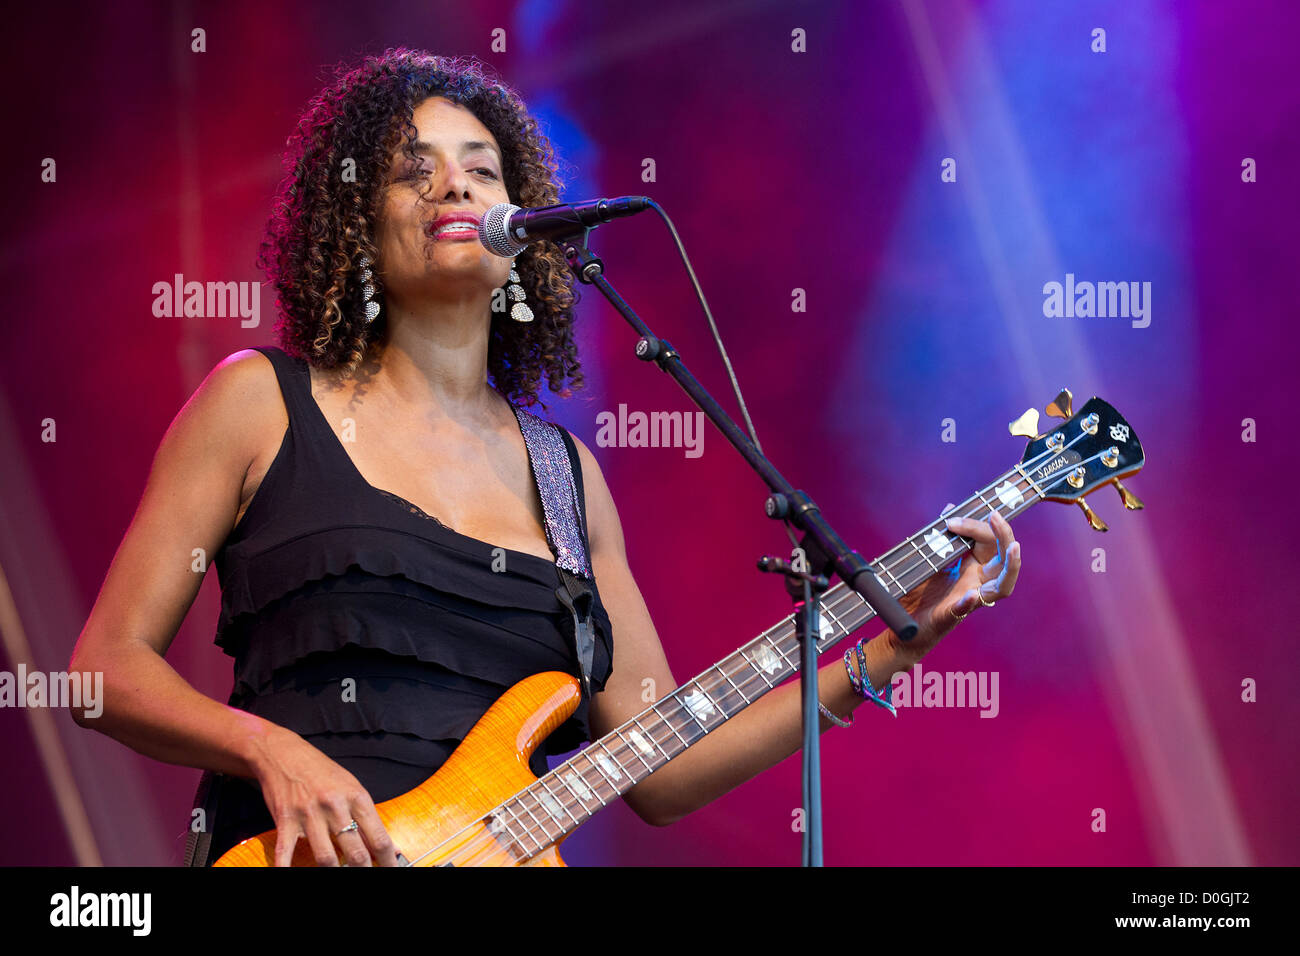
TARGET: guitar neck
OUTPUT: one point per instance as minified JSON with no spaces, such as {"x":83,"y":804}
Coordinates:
{"x":560,"y":801}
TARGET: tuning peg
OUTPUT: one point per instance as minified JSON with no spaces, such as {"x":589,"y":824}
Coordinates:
{"x":1097,"y":523}
{"x":1026,"y":425}
{"x":1131,"y":501}
{"x":1062,"y":406}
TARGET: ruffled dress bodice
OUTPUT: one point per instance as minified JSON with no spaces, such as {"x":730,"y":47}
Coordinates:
{"x":370,"y":628}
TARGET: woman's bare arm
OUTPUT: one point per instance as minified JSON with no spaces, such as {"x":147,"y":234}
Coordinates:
{"x":189,"y":506}
{"x":195,"y":491}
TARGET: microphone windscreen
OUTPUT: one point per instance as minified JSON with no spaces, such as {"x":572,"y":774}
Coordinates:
{"x":494,"y":234}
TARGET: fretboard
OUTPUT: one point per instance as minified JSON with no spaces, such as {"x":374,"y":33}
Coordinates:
{"x":557,"y":803}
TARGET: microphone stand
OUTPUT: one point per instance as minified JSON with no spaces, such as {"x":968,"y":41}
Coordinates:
{"x":824,"y":549}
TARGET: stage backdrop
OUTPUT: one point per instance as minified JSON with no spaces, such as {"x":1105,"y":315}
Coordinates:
{"x":878,"y":198}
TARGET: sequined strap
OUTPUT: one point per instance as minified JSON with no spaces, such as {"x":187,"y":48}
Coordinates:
{"x":558,"y":491}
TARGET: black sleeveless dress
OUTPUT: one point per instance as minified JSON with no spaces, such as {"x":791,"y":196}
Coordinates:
{"x":372,"y":629}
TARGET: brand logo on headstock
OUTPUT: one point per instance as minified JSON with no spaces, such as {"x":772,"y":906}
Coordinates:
{"x":1119,"y":432}
{"x":1062,"y":460}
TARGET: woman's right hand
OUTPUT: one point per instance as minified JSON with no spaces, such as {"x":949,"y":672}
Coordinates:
{"x":309,"y":795}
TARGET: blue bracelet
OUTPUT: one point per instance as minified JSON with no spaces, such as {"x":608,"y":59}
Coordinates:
{"x":853,"y":678}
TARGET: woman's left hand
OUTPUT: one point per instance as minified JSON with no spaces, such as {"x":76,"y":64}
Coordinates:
{"x":989,"y":571}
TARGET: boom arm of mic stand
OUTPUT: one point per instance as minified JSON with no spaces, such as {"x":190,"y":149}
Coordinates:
{"x":803,"y":513}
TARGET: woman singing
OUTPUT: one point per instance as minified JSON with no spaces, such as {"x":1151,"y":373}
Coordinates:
{"x":376,"y":511}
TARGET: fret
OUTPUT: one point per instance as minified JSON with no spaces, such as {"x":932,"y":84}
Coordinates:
{"x":627,"y":744}
{"x":917,"y":549}
{"x":762,"y":658}
{"x":885,"y":570}
{"x":1038,"y":491}
{"x":561,"y":804}
{"x":725,"y":691}
{"x":845,"y":595}
{"x":595,"y":776}
{"x":895,"y":556}
{"x":1008,"y":494}
{"x":755,"y":677}
{"x":840,"y":601}
{"x":609,"y":764}
{"x":762,"y":673}
{"x":594,"y":779}
{"x":855,"y":603}
{"x":526,"y":829}
{"x":789,"y":658}
{"x":578,"y":787}
{"x":496,"y":826}
{"x":648,"y":745}
{"x":697,"y":704}
{"x":636,"y":751}
{"x":735,"y":686}
{"x":883,"y":563}
{"x":838,"y":628}
{"x":547,"y":818}
{"x":682,"y":718}
{"x":916,"y":575}
{"x":825,"y":612}
{"x":520,"y":850}
{"x":655,"y":710}
{"x":716,"y":692}
{"x":865,"y":612}
{"x":540,"y":825}
{"x":988,"y":508}
{"x":792,"y":648}
{"x":1029,"y":499}
{"x":789,"y":650}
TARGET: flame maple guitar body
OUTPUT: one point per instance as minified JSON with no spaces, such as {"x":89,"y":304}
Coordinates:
{"x":489,"y":766}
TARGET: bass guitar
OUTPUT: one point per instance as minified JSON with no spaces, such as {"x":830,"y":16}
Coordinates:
{"x":484,"y":807}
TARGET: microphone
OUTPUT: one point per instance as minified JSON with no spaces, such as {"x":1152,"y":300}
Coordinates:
{"x":506,"y":229}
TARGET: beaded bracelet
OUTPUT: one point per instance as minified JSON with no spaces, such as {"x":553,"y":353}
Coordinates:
{"x":862,"y":687}
{"x":882,"y":701}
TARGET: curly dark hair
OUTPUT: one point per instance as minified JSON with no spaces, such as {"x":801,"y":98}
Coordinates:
{"x":322,"y":223}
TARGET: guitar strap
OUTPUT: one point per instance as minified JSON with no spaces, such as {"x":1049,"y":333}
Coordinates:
{"x":554,"y":464}
{"x":556,"y":468}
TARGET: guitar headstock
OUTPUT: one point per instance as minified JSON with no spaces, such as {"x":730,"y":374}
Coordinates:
{"x":1094,"y":446}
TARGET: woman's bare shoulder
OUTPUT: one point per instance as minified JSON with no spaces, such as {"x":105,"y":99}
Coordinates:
{"x":247,"y":374}
{"x":241,"y":395}
{"x":233,"y":415}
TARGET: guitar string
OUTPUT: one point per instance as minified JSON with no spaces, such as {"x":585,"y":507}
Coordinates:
{"x":483,"y":841}
{"x":751,"y":680}
{"x":835,"y":610}
{"x":486,"y":842}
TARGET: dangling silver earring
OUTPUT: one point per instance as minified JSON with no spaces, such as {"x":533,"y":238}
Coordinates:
{"x":368,"y":290}
{"x":519,"y":311}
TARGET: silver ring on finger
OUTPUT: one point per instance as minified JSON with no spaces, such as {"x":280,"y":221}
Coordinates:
{"x":352,"y":827}
{"x":980,"y":594}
